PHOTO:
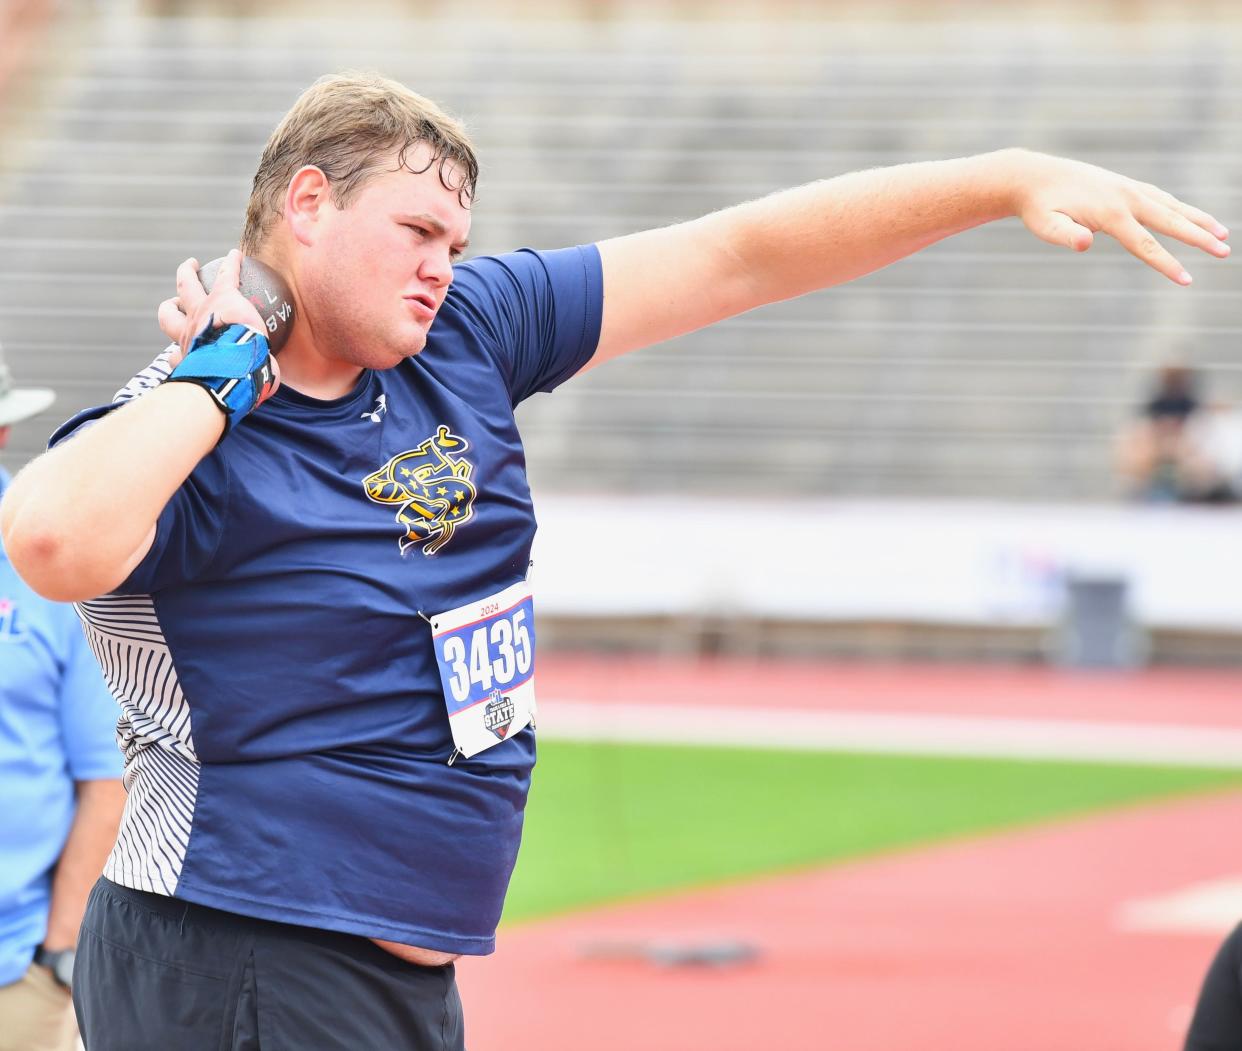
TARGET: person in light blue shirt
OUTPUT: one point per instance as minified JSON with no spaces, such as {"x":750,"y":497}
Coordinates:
{"x":60,"y":784}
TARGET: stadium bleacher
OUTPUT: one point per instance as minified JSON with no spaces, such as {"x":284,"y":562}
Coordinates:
{"x":991,"y":365}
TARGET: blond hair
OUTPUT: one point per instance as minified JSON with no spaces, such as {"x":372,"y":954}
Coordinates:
{"x":350,"y":125}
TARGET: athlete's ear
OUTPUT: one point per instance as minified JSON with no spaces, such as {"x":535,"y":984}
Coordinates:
{"x":308,"y":195}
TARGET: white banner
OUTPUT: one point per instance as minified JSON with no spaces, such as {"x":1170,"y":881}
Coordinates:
{"x":937,"y":562}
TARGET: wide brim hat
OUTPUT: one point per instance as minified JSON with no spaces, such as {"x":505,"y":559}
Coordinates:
{"x":20,"y":403}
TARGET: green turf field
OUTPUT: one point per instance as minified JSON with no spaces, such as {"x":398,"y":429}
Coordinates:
{"x":610,"y":821}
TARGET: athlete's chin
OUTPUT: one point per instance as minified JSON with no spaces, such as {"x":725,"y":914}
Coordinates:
{"x":412,"y":350}
{"x":410,"y":341}
{"x":394,"y":351}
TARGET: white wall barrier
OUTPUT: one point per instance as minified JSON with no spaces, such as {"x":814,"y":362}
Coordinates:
{"x":934,"y":562}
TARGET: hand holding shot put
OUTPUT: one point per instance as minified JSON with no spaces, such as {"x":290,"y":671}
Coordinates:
{"x":362,"y":786}
{"x":224,"y":344}
{"x":264,"y":301}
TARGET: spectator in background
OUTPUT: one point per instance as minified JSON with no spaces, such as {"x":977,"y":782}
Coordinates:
{"x":60,"y":785}
{"x":1213,"y":454}
{"x":1178,"y":450}
{"x":1175,"y":398}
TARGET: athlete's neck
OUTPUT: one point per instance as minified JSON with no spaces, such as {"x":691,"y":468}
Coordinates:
{"x":310,"y":373}
{"x":302,"y":366}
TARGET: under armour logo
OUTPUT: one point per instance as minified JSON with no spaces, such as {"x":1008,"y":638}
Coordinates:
{"x":381,"y":407}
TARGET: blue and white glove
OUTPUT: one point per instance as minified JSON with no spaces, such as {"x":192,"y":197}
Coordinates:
{"x":233,"y":365}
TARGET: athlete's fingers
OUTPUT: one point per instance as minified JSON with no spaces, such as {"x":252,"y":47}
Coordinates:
{"x":1139,"y":242}
{"x":171,"y":318}
{"x":229,"y":275}
{"x":1057,"y":228}
{"x":196,"y":324}
{"x":1165,"y":220}
{"x":189,"y":288}
{"x":225,"y":303}
{"x":1196,"y":215}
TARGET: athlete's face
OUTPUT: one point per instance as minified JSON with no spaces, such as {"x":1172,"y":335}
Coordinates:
{"x":381,"y":267}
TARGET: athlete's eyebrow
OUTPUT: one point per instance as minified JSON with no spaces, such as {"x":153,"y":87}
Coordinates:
{"x":437,"y":227}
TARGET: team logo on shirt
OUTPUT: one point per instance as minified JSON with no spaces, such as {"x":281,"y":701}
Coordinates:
{"x":11,"y":629}
{"x":498,"y":715}
{"x":431,"y":489}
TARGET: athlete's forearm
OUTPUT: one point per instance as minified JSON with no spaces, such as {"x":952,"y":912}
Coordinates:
{"x":829,"y":232}
{"x":665,"y":282}
{"x":77,"y":520}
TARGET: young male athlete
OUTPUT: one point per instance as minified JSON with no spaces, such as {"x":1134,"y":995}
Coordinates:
{"x":316,"y":615}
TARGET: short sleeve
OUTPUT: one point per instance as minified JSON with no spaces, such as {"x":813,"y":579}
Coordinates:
{"x":88,"y":713}
{"x":189,"y":529}
{"x":187,"y":533}
{"x":539,"y":312}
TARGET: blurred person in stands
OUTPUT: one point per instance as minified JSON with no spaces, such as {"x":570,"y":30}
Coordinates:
{"x":1213,"y":454}
{"x":1176,"y":396}
{"x":59,"y":785}
{"x":1181,"y":449}
{"x":1152,"y":456}
{"x":323,"y":819}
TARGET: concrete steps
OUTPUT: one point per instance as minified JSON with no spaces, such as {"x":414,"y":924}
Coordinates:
{"x":989,"y":366}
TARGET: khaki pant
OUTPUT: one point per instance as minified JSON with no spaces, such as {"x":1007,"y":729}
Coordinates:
{"x":36,"y":1014}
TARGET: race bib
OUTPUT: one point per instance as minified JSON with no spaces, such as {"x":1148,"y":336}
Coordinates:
{"x":486,"y":654}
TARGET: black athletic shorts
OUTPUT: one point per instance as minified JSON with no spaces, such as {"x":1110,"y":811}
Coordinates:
{"x":157,"y":974}
{"x":1217,"y":1021}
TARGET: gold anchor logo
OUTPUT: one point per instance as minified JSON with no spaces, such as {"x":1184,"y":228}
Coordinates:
{"x":430,"y":486}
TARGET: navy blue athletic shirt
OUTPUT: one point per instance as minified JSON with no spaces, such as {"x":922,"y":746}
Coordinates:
{"x":284,"y":727}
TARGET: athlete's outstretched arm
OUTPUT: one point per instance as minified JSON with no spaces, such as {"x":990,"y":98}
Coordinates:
{"x":669,"y":281}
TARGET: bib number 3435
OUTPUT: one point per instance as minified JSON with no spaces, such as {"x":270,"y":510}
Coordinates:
{"x":486,"y":654}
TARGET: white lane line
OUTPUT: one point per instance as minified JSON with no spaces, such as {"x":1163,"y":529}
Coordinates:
{"x":1213,"y":907}
{"x":948,"y":735}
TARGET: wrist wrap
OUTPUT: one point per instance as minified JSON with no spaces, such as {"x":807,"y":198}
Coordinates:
{"x":234,"y":366}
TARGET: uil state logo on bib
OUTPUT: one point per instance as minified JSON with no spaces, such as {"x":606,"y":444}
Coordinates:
{"x":498,"y":714}
{"x":431,"y":489}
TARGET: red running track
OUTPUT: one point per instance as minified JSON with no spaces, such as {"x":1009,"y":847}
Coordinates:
{"x":1008,"y":943}
{"x":1175,"y":696}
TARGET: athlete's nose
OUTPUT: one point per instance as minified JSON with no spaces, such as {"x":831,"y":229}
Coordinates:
{"x":437,"y":268}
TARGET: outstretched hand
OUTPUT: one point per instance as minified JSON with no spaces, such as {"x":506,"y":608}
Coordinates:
{"x":185,"y":315}
{"x":1067,"y":203}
